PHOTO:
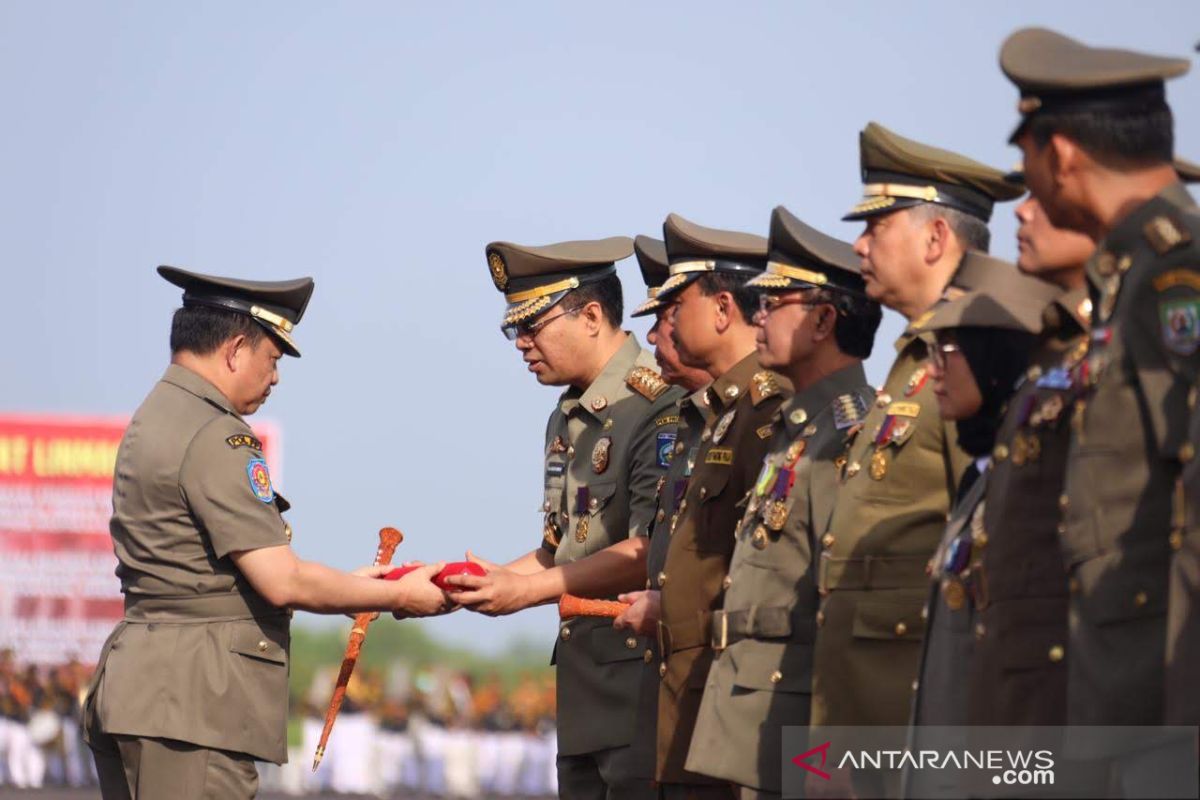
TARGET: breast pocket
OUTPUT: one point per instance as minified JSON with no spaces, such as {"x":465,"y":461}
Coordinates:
{"x":718,"y":515}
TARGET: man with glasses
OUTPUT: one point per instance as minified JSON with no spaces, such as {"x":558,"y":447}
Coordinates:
{"x":608,"y":443}
{"x":815,"y":326}
{"x":924,"y":209}
{"x":712,"y":311}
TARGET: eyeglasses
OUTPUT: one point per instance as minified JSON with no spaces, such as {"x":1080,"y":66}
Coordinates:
{"x":769,"y":302}
{"x":940,"y":351}
{"x":532,"y":329}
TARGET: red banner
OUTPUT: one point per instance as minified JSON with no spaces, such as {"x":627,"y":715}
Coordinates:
{"x":59,"y":596}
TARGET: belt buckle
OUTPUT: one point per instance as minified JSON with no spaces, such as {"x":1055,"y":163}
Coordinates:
{"x":721,"y":642}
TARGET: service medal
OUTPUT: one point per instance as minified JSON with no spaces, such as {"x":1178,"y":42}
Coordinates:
{"x":600,"y":454}
{"x":723,"y":427}
{"x":775,"y":514}
{"x":954,"y":593}
{"x":879,"y":465}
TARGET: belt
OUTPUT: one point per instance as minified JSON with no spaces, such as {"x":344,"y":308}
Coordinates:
{"x":871,"y":572}
{"x":223,"y":607}
{"x":759,"y":622}
{"x":685,"y":634}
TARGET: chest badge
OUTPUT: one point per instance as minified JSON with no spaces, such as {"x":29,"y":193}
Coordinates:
{"x":600,"y":454}
{"x":722,"y":427}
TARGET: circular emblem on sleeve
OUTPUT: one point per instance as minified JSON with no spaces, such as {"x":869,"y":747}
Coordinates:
{"x":260,"y":480}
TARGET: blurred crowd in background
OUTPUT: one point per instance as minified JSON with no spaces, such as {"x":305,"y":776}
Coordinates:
{"x":436,"y":732}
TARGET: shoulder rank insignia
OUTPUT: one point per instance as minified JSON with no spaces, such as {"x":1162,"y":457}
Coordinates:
{"x":848,"y":409}
{"x":243,"y":440}
{"x":646,"y":382}
{"x":1165,"y":234}
{"x":763,"y":385}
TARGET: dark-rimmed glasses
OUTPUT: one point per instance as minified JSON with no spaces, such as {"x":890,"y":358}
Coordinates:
{"x":532,"y":329}
{"x":939,"y":352}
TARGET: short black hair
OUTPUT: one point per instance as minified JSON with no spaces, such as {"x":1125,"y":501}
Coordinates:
{"x":1142,"y":138}
{"x":858,"y":319}
{"x":744,"y":297}
{"x":606,"y":292}
{"x":971,"y":231}
{"x":202,"y":329}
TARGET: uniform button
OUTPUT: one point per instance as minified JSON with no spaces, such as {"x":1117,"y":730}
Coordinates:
{"x":1063,"y":502}
{"x":1140,"y":599}
{"x":979,"y":630}
{"x":662,"y":579}
{"x":809,"y":430}
{"x":546,"y":506}
{"x":827,"y":541}
{"x":648,"y":656}
{"x":732,"y":392}
{"x":820,"y":618}
{"x":682,"y":506}
{"x":916,"y":684}
{"x":1034,"y":373}
{"x":660,"y":516}
{"x":571,"y":451}
{"x":600,"y":403}
{"x":1056,"y":653}
{"x":883,"y":399}
{"x":1187,"y":452}
{"x":1175,"y":540}
{"x":853,"y":469}
{"x":776,"y":676}
{"x":727,"y":582}
{"x":1073,"y":585}
{"x":679,"y":447}
{"x":262,"y":646}
{"x":925,"y":612}
{"x":662,"y":670}
{"x":593,"y":504}
{"x":1000,"y":452}
{"x":565,"y":634}
{"x":631,"y":643}
{"x":901,"y":629}
{"x":1062,"y":529}
{"x":703,"y":492}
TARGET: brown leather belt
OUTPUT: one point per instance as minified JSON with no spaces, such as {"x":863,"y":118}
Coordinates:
{"x":684,"y":634}
{"x":871,"y":572}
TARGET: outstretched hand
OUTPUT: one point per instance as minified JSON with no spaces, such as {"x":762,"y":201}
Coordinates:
{"x":501,"y":591}
{"x":417,"y":596}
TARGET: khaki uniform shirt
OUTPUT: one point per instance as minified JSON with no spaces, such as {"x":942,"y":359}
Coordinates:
{"x":743,"y":402}
{"x":761,"y":677}
{"x":897,"y":481}
{"x":606,"y":449}
{"x":1130,"y":436}
{"x":200,"y":656}
{"x":694,"y":416}
{"x":1018,"y":673}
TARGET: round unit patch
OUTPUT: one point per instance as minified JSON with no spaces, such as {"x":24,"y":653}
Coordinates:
{"x":260,"y":480}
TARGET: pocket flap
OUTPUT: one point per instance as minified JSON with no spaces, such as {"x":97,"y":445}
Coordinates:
{"x":260,"y":642}
{"x":601,"y":493}
{"x":771,"y":666}
{"x":899,"y":620}
{"x":609,"y":644}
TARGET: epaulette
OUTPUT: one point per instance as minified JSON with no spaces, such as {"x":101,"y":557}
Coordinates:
{"x":763,"y":385}
{"x":646,"y":382}
{"x":1165,"y":234}
{"x":848,"y":410}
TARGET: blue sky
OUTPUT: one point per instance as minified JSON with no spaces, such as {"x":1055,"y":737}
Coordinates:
{"x":379,"y":146}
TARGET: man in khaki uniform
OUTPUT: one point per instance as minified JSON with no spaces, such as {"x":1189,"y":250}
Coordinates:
{"x":191,"y":688}
{"x":816,"y":326}
{"x":1097,"y":139}
{"x":713,"y":312}
{"x":693,"y":415}
{"x":608,"y":442}
{"x":924,"y":209}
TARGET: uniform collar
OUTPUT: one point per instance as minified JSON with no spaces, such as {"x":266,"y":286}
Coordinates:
{"x":191,"y":382}
{"x":698,"y":401}
{"x":725,"y":391}
{"x":1128,"y":234}
{"x":820,"y":395}
{"x":598,"y":398}
{"x":1071,"y":309}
